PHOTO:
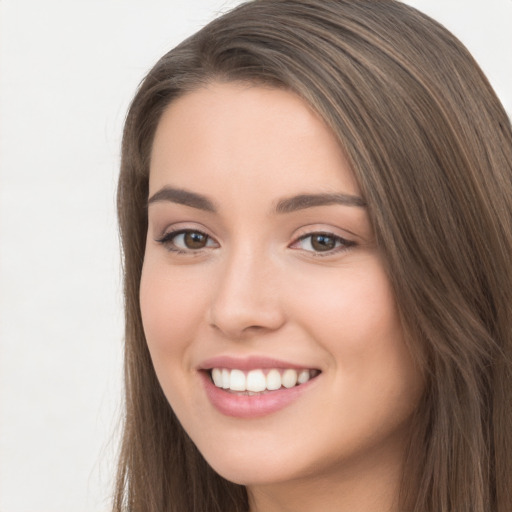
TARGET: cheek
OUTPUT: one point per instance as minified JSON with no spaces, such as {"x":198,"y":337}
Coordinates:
{"x":353,"y":316}
{"x":171,"y":310}
{"x":349,"y":310}
{"x":171,"y":314}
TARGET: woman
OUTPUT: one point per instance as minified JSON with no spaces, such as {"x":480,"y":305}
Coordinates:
{"x":316,"y":212}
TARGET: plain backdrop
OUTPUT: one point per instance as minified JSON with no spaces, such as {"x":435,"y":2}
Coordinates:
{"x":68,"y":69}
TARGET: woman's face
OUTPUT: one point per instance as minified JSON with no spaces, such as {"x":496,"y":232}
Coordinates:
{"x":260,"y":269}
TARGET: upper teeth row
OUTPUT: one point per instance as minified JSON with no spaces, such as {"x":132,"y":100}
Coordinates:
{"x":256,"y":380}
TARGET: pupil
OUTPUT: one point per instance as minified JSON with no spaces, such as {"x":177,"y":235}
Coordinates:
{"x":323,"y":242}
{"x":195,"y":240}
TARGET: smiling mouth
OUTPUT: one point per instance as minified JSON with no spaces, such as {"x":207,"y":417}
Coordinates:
{"x":257,"y":382}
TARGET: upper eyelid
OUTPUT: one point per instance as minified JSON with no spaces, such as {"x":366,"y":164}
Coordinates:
{"x":167,"y":241}
{"x":171,"y":233}
{"x":310,"y":230}
{"x":180,"y":227}
{"x":342,"y":243}
{"x":326,"y":233}
{"x":321,"y":232}
{"x":300,"y":233}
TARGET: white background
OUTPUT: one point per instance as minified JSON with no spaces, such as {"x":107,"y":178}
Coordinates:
{"x":68,"y":70}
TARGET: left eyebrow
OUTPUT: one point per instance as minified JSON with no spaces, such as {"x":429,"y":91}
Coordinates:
{"x":303,"y":201}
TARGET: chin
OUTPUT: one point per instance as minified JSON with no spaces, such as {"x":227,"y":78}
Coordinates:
{"x":243,"y":474}
{"x":250,"y":467}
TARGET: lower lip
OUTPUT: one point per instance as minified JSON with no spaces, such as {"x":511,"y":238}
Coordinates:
{"x":254,"y":406}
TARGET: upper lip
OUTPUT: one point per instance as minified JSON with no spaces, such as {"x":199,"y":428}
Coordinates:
{"x":249,"y":363}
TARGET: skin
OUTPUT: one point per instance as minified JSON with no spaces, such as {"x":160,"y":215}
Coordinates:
{"x":259,"y":287}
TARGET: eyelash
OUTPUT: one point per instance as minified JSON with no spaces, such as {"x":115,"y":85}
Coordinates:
{"x":341,"y":244}
{"x":168,"y":241}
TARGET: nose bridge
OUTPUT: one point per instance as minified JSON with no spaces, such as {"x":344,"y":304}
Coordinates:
{"x":247,"y":297}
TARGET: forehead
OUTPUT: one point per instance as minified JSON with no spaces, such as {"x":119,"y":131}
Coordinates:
{"x":247,"y":136}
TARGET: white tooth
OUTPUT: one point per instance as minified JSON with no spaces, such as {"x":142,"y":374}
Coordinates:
{"x":289,"y":378}
{"x":225,"y":378}
{"x":273,"y":380}
{"x":303,"y":376}
{"x":237,"y":380}
{"x":217,"y":377}
{"x":256,"y":381}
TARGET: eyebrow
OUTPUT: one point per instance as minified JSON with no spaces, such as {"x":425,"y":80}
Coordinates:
{"x":286,"y":205}
{"x":185,"y":197}
{"x":303,"y":201}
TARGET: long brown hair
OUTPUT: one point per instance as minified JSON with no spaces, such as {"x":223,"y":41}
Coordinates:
{"x":431,"y":148}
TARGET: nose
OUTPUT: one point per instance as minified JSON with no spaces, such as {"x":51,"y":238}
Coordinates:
{"x":246,"y":300}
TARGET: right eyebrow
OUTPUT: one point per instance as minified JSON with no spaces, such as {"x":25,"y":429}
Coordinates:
{"x":181,"y":196}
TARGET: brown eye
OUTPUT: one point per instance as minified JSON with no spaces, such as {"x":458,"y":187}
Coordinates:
{"x":327,"y":243}
{"x":195,"y":240}
{"x":321,"y":242}
{"x":187,"y":240}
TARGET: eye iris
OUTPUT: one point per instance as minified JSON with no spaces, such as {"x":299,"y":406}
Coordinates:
{"x":323,"y":242}
{"x":195,"y":240}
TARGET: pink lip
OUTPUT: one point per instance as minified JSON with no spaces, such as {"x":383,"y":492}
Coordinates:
{"x":245,"y":406}
{"x":248,"y":363}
